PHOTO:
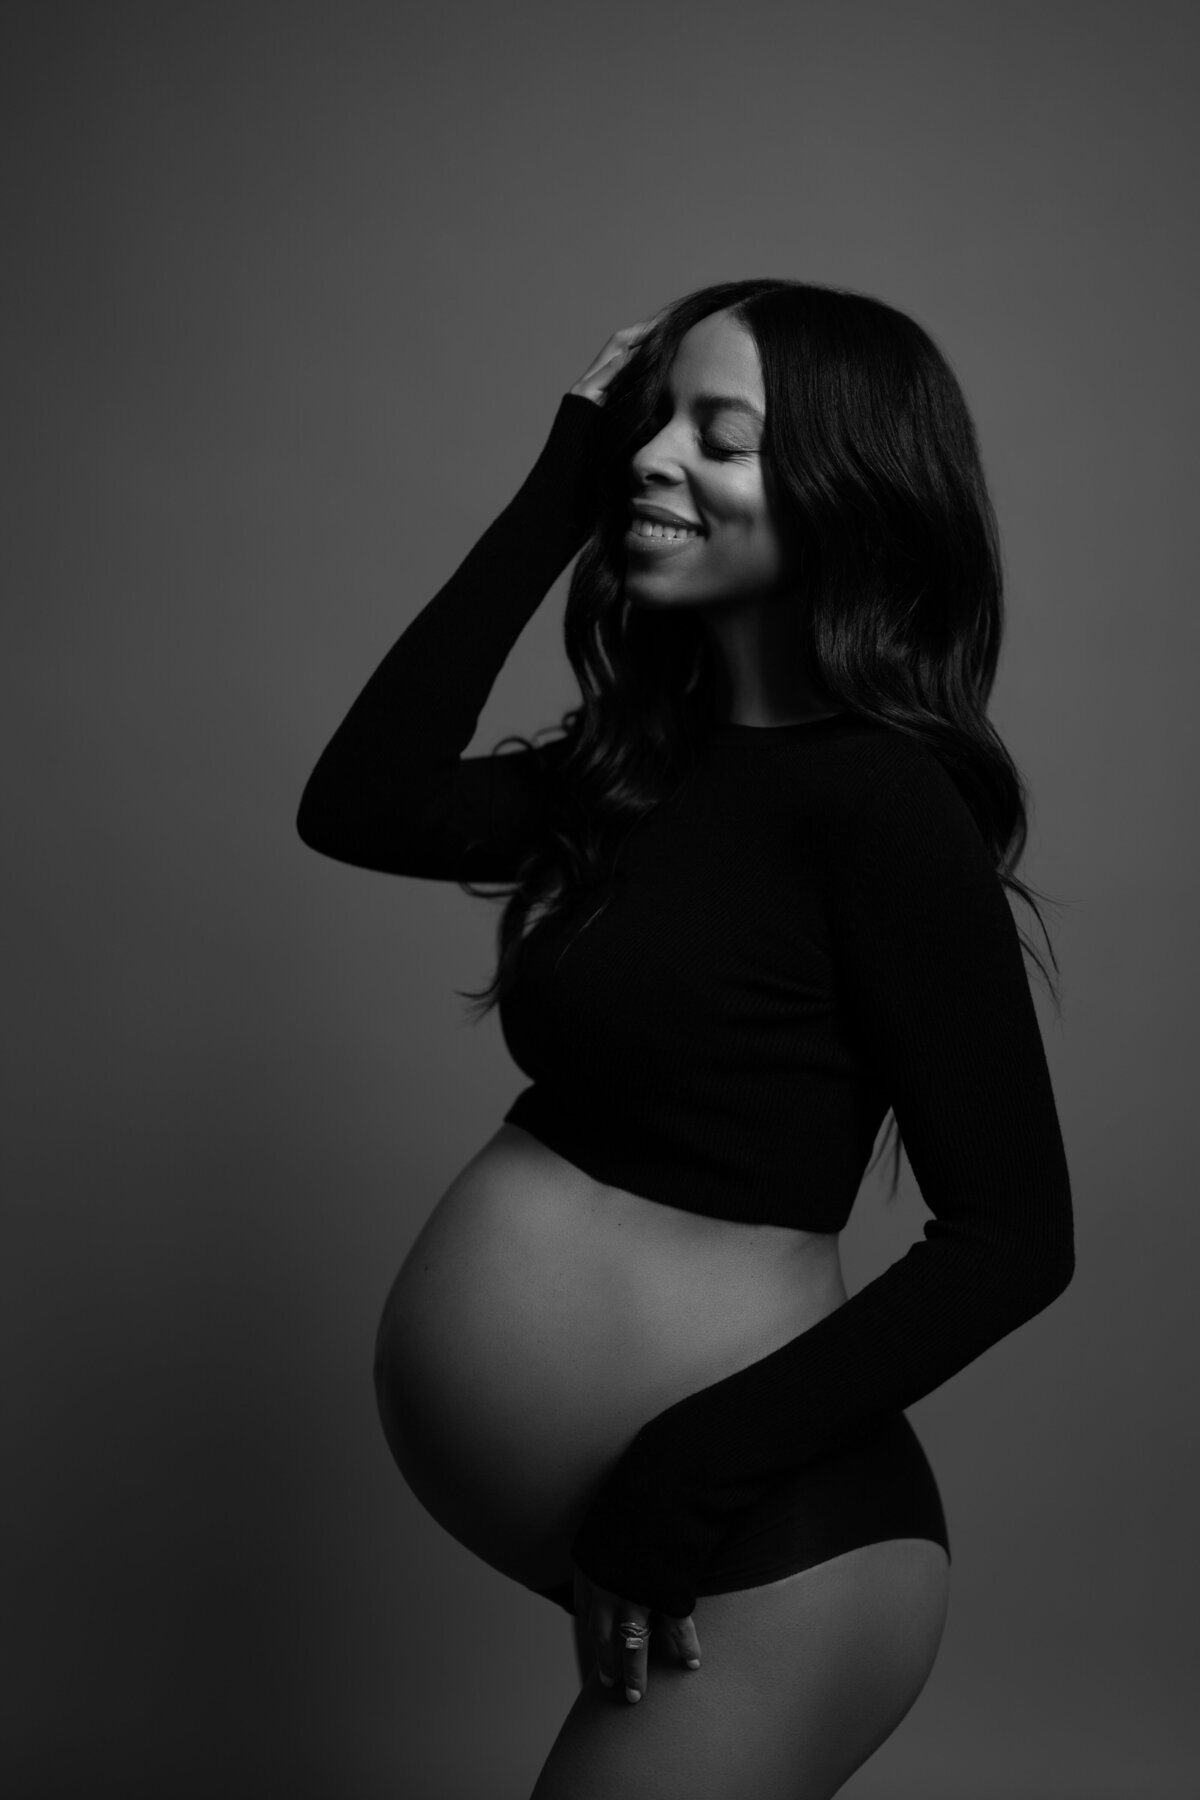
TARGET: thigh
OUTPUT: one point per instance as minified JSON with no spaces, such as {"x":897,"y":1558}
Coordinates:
{"x":803,"y":1679}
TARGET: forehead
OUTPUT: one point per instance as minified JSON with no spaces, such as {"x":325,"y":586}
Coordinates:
{"x":718,"y":355}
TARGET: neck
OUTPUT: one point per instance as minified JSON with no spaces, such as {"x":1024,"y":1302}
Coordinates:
{"x":768,"y":678}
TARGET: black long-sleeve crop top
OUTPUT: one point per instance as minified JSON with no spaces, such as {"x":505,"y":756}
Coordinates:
{"x":809,"y":932}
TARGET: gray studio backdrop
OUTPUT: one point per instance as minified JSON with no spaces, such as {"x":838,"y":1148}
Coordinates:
{"x":292,"y":293}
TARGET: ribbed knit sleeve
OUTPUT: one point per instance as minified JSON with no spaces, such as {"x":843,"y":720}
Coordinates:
{"x":934,"y":981}
{"x":392,"y":790}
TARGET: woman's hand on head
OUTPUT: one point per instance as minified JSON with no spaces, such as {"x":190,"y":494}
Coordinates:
{"x":615,"y":354}
{"x":623,"y":1655}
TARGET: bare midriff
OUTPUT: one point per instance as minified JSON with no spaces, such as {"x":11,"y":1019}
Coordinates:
{"x":542,"y":1317}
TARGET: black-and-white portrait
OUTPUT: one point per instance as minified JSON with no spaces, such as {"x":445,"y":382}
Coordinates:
{"x":601,"y":1002}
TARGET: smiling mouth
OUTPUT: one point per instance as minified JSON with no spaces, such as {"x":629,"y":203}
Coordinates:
{"x":659,"y":542}
{"x":658,"y":528}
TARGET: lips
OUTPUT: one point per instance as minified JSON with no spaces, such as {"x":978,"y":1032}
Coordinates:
{"x":645,"y":543}
{"x":662,"y":515}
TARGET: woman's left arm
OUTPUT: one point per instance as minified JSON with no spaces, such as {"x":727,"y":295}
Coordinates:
{"x":934,"y":977}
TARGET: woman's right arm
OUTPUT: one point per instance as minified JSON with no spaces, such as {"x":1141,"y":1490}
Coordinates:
{"x":392,"y":790}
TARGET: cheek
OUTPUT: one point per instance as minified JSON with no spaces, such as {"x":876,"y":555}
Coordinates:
{"x":752,"y":541}
{"x":741,"y":522}
{"x":770,"y":547}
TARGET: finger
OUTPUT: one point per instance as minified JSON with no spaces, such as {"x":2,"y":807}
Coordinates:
{"x":606,"y":1661}
{"x":582,"y":1594}
{"x":643,"y":325}
{"x":600,"y":1630}
{"x":684,"y":1639}
{"x":633,"y":1635}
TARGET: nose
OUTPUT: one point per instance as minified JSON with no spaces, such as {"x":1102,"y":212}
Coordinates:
{"x":658,"y":459}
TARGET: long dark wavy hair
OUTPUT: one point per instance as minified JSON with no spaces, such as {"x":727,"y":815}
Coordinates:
{"x":873,"y":473}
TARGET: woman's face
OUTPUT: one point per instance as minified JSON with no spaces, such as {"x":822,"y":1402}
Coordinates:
{"x":704,"y":464}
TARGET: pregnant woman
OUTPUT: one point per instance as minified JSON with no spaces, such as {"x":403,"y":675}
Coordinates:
{"x":756,"y":897}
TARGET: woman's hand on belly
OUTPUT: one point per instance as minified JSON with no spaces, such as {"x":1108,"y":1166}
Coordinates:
{"x":622,"y":1655}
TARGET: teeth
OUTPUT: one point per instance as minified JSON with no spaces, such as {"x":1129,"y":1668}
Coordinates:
{"x":652,"y":528}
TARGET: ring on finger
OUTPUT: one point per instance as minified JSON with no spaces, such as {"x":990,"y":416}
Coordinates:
{"x":635,"y":1634}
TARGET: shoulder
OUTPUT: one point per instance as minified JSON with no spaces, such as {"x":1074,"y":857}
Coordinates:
{"x":909,"y":783}
{"x":886,"y":807}
{"x":868,"y":771}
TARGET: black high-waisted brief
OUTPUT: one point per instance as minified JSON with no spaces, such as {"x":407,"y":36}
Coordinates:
{"x":881,"y":1487}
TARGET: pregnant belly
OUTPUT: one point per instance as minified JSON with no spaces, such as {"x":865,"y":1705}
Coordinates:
{"x":541,"y":1318}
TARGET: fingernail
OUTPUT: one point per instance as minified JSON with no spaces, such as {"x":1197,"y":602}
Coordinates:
{"x":606,"y":1679}
{"x":693,"y":1662}
{"x":632,"y":1694}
